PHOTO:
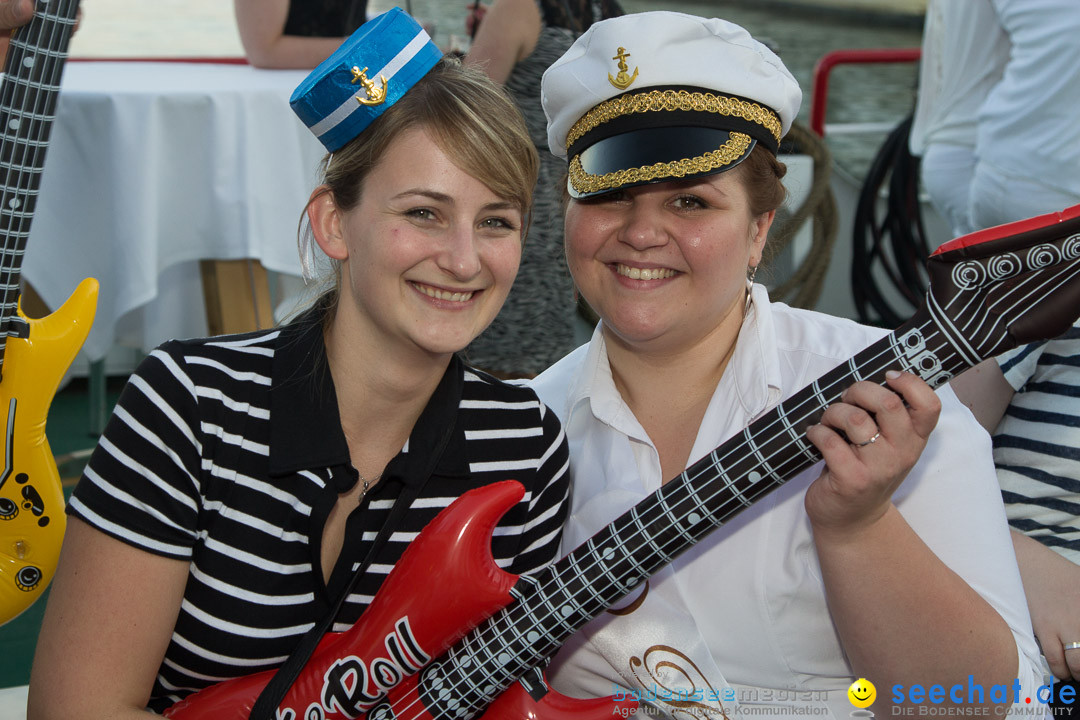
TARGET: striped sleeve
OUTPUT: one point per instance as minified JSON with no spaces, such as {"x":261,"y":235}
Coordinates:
{"x":1035,"y":449}
{"x":1020,"y":363}
{"x":142,"y":482}
{"x":548,"y":504}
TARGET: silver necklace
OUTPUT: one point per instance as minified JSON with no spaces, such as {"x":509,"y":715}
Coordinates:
{"x":364,"y":480}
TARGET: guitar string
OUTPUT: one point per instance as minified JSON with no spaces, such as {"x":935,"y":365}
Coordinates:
{"x":762,"y":489}
{"x":27,"y":48}
{"x":11,"y":241}
{"x":42,"y":85}
{"x":8,"y":250}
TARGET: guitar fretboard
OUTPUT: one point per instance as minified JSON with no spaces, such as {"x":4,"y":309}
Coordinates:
{"x":28,"y":95}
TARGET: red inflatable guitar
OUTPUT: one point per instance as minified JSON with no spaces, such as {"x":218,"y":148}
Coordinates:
{"x":418,"y":654}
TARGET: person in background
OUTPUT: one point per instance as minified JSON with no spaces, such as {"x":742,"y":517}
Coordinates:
{"x":1027,"y":140}
{"x":1029,"y":401}
{"x":296,"y":35}
{"x":964,"y":51}
{"x":242,"y":480}
{"x":891,"y":561}
{"x":992,"y":124}
{"x":514,"y":44}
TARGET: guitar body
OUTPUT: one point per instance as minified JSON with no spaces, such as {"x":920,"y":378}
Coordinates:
{"x":445,"y":584}
{"x":32,"y":517}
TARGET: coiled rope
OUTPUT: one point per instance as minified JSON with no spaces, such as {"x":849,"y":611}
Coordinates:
{"x":803,"y":286}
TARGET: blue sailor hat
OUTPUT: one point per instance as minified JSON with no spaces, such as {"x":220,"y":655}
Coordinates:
{"x":655,"y":96}
{"x":371,"y":71}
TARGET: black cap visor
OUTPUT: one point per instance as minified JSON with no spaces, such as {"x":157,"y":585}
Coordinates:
{"x":653,"y":155}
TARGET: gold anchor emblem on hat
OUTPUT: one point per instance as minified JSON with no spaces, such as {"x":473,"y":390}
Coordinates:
{"x":622,"y":80}
{"x":374,"y":95}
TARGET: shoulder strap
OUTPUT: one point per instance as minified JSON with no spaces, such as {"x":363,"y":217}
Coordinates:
{"x":265,"y":707}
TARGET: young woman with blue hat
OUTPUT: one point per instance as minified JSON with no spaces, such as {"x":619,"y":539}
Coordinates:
{"x":243,"y":480}
{"x":890,"y":562}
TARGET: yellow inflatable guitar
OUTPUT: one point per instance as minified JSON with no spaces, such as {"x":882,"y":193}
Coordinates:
{"x":34,"y":354}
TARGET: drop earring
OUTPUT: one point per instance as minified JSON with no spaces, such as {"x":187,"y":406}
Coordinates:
{"x":751,"y":271}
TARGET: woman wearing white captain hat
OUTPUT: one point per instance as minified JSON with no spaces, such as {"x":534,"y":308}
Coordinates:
{"x":671,"y":125}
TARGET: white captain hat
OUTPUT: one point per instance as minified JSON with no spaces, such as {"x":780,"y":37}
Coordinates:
{"x":655,"y":96}
{"x":371,"y":71}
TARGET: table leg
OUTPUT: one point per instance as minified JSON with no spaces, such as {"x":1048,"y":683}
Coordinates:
{"x":237,"y":295}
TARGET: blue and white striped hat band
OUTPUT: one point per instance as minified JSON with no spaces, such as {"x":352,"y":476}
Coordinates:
{"x":371,"y":71}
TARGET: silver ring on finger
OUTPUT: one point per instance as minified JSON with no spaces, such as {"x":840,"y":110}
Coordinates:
{"x":1071,"y":646}
{"x":871,"y":441}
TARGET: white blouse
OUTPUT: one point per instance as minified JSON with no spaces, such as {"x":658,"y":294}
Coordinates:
{"x":745,"y":607}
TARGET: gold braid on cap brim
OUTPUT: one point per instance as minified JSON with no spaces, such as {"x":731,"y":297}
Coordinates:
{"x":658,"y":100}
{"x":726,"y":154}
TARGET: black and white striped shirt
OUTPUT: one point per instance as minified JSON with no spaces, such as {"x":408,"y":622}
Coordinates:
{"x":1037,"y":443}
{"x":228,"y":452}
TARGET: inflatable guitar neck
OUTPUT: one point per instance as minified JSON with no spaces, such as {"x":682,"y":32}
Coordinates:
{"x":34,"y":354}
{"x":988,"y":293}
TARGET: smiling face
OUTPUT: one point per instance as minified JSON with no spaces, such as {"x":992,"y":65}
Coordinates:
{"x":665,"y":264}
{"x":428,"y":254}
{"x":862,"y":693}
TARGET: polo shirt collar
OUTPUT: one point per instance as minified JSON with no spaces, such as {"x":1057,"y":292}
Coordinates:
{"x":305,"y":427}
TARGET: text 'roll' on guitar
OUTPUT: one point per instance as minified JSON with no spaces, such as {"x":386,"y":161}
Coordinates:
{"x":416,"y":654}
{"x":34,"y":354}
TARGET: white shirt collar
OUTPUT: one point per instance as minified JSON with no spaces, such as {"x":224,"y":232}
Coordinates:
{"x":751,"y":384}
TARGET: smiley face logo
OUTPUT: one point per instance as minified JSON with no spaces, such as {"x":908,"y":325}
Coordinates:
{"x":862,"y":693}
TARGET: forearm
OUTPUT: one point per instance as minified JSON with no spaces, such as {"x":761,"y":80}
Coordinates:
{"x":42,"y":707}
{"x":904,"y":618}
{"x":289,"y":52}
{"x":1052,"y":588}
{"x":508,"y":33}
{"x":261,"y":24}
{"x":108,"y":621}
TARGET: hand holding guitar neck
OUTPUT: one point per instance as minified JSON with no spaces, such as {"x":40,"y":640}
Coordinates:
{"x":874,"y":431}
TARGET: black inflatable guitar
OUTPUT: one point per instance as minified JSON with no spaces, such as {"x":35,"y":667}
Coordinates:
{"x":989,"y":292}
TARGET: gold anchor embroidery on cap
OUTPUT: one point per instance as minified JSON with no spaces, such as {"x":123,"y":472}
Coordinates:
{"x":621,"y":79}
{"x":374,"y":95}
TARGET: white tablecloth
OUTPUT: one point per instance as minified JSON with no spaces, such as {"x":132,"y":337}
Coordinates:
{"x":154,"y":166}
{"x":13,"y":703}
